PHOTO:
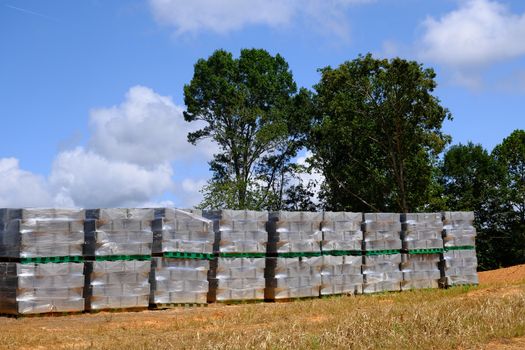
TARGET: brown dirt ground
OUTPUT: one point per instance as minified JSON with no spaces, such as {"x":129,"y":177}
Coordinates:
{"x":514,"y":274}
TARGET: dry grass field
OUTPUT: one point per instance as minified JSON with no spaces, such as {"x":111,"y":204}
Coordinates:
{"x":490,"y":316}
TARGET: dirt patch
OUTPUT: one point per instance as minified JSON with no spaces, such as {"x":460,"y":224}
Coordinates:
{"x":513,"y":274}
{"x":507,"y":344}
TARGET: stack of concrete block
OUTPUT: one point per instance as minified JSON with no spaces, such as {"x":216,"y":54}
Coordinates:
{"x":243,"y":231}
{"x":294,"y":249}
{"x":118,"y":246}
{"x":41,"y":253}
{"x":341,"y":248}
{"x":33,"y":288}
{"x":422,"y":231}
{"x":341,"y":232}
{"x":420,"y":271}
{"x":381,"y":232}
{"x":459,"y":263}
{"x":179,"y":281}
{"x":183,"y":246}
{"x":31,"y":233}
{"x":118,"y":231}
{"x":341,"y":275}
{"x":117,"y":284}
{"x":240,"y":279}
{"x":297,"y":277}
{"x":179,"y":231}
{"x":459,"y":267}
{"x":458,"y":230}
{"x":241,"y":238}
{"x":295,"y":232}
{"x":381,"y":273}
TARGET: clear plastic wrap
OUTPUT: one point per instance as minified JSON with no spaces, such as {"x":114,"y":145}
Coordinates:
{"x":117,"y":284}
{"x":341,"y":275}
{"x":177,"y":281}
{"x":31,"y":233}
{"x":382,"y":231}
{"x":422,"y":231}
{"x":382,"y":273}
{"x":243,"y":231}
{"x":118,"y":237}
{"x":239,"y":279}
{"x":460,"y":267}
{"x":294,"y":232}
{"x":458,"y":229}
{"x":342,"y":231}
{"x":288,"y":278}
{"x":110,"y":214}
{"x":177,"y":230}
{"x":41,"y":288}
{"x":420,"y":271}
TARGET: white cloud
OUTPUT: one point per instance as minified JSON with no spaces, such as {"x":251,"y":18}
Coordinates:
{"x":146,"y":129}
{"x":128,"y":161}
{"x":20,"y":188}
{"x":90,"y":180}
{"x":190,"y":193}
{"x":226,"y":16}
{"x":479,"y":32}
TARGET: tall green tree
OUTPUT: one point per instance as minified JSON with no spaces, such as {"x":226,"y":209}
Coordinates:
{"x":251,"y":108}
{"x":470,"y":177}
{"x":377,"y":134}
{"x":510,"y":158}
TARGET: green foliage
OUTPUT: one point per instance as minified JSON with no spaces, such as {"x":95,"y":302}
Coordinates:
{"x":377,"y":134}
{"x":493,"y":186}
{"x":469,"y":179}
{"x":510,"y":157}
{"x":251,"y":108}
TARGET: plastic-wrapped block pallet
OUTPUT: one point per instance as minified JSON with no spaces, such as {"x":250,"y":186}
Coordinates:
{"x":117,"y":284}
{"x":460,"y":267}
{"x":459,"y":263}
{"x":381,"y":273}
{"x":294,"y":232}
{"x":341,"y":275}
{"x":239,"y":279}
{"x":31,"y":233}
{"x":243,"y":231}
{"x":118,"y":231}
{"x":241,"y":243}
{"x":176,"y":230}
{"x":458,"y":230}
{"x":420,"y":271}
{"x":179,"y":281}
{"x":118,"y":244}
{"x":422,"y":231}
{"x":288,"y":278}
{"x":381,"y":231}
{"x":341,"y":231}
{"x":33,"y":288}
{"x":184,"y":242}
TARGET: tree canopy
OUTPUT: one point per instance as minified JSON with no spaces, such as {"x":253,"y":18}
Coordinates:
{"x":377,"y":134}
{"x":251,"y":108}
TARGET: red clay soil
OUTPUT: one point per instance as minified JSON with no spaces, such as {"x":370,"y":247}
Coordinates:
{"x":511,"y":274}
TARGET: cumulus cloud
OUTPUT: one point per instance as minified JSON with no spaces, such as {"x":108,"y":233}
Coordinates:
{"x":190,"y":191}
{"x":479,"y":32}
{"x":128,"y":161}
{"x":226,"y":16}
{"x":146,"y":129}
{"x":90,"y":180}
{"x":20,"y":188}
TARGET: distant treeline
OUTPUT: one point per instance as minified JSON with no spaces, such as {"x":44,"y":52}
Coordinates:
{"x":372,"y":129}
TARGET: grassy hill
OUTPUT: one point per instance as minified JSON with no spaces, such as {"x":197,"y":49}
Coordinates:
{"x":491,"y":315}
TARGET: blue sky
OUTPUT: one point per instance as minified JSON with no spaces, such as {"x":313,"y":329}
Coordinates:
{"x":85,"y":84}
